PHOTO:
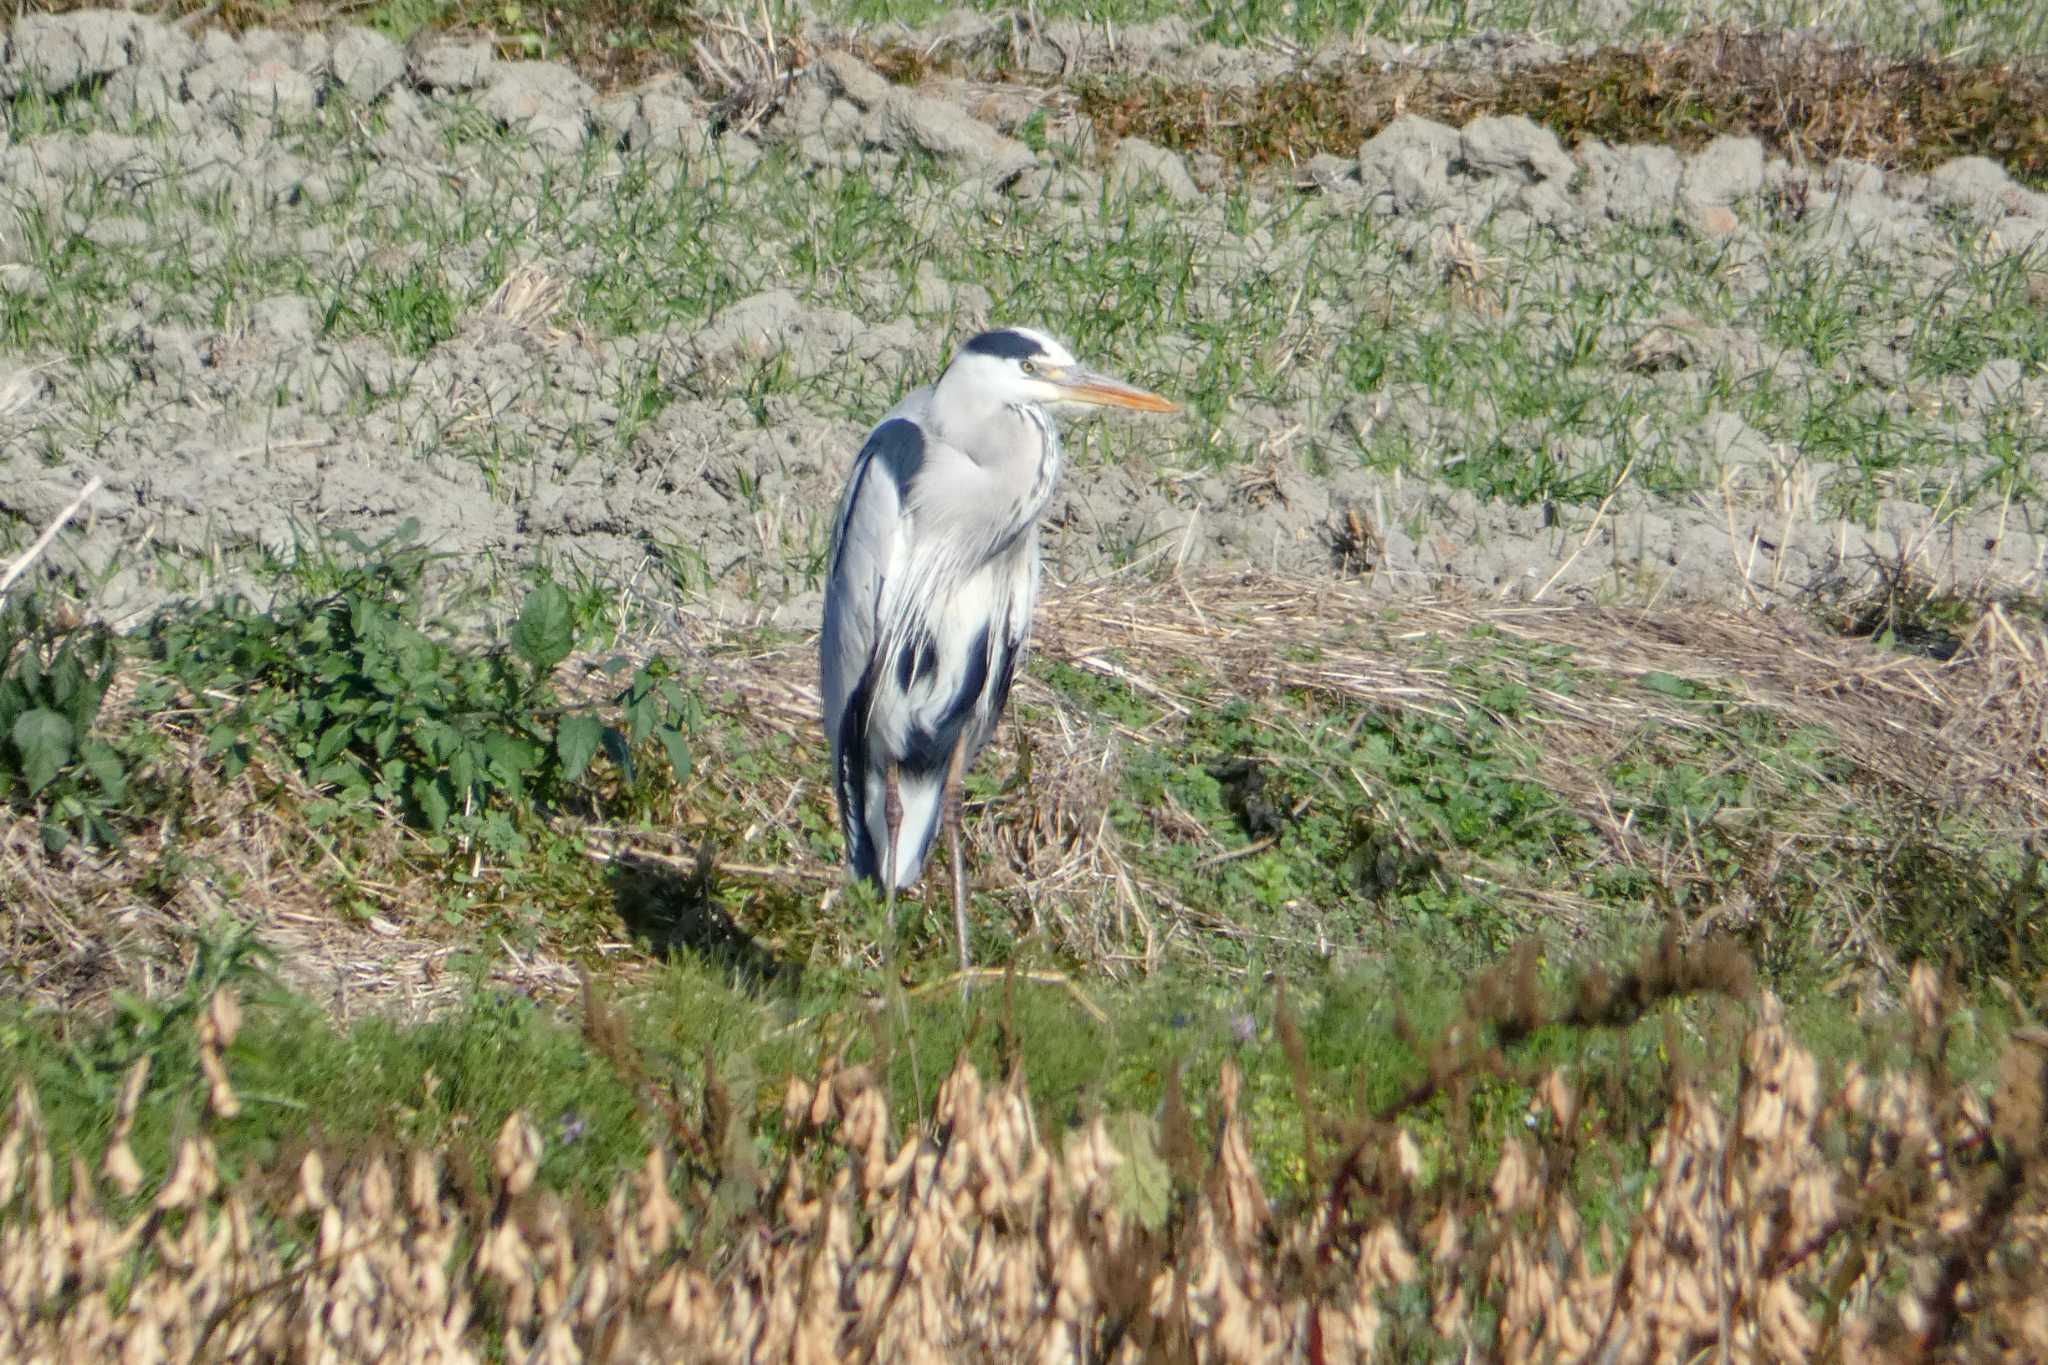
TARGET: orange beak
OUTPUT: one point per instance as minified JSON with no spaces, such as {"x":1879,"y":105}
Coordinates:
{"x":1085,"y":386}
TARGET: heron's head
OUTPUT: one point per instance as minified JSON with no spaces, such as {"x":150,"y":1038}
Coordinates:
{"x":1022,"y":365}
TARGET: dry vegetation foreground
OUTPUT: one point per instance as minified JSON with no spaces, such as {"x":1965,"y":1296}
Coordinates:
{"x":1878,"y":1217}
{"x":1607,"y":515}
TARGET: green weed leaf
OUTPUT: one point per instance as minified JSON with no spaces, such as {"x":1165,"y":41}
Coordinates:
{"x":332,"y":742}
{"x":378,"y":703}
{"x":508,"y":759}
{"x":576,"y":742}
{"x":620,"y":752}
{"x":677,"y":746}
{"x":546,"y":631}
{"x":14,"y":699}
{"x":105,"y":765}
{"x":463,"y":769}
{"x":43,"y":739}
{"x":639,"y":718}
{"x":427,"y":789}
{"x":1142,"y":1185}
{"x":1669,"y":684}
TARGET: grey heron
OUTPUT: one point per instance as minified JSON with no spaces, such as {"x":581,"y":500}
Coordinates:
{"x":934,"y":573}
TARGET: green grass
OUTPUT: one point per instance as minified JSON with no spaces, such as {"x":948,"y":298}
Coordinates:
{"x":302,"y":1082}
{"x":455,"y":1079}
{"x":1460,"y":828}
{"x":1278,"y":827}
{"x":638,"y":1067}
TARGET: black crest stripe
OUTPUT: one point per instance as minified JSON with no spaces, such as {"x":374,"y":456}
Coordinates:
{"x":1006,"y":345}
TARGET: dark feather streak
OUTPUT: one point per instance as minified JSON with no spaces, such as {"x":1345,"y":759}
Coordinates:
{"x":915,"y":661}
{"x":1005,"y":671}
{"x":853,"y":787}
{"x":928,"y":750}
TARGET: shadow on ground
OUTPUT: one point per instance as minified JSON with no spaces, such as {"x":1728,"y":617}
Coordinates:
{"x":676,"y":912}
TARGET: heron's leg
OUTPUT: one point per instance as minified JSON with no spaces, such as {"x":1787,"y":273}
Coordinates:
{"x":892,"y":816}
{"x":955,"y":771}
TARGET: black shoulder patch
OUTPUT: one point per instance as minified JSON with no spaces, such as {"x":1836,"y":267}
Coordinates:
{"x":899,"y":444}
{"x":1006,"y":345}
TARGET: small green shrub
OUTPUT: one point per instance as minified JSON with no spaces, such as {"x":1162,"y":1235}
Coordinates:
{"x":53,"y":683}
{"x":378,"y":704}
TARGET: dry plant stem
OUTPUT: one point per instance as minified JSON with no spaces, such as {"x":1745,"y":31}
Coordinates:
{"x":1231,"y":855}
{"x":42,"y":542}
{"x":762,"y":871}
{"x":967,"y":976}
{"x":769,"y":873}
{"x":1599,"y":515}
{"x":954,"y":771}
{"x":892,"y":818}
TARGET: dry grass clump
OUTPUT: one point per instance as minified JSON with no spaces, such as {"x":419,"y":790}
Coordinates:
{"x":88,"y":921}
{"x":1910,"y":735}
{"x":1807,"y":99}
{"x":1784,"y":1215}
{"x":2012,"y":706}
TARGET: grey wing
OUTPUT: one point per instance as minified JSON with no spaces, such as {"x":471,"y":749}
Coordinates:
{"x":868,"y":539}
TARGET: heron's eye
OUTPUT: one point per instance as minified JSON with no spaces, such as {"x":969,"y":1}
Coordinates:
{"x":1030,"y":367}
